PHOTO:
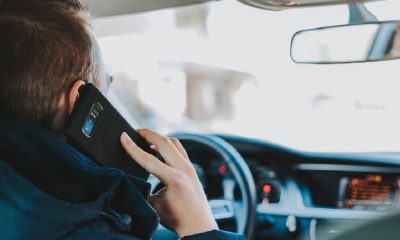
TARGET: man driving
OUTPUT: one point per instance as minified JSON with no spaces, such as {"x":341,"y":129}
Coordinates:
{"x":48,"y":189}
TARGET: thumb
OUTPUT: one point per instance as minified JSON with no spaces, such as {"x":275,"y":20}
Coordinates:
{"x":155,"y":200}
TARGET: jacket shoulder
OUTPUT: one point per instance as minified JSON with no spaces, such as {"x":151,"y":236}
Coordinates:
{"x":98,"y":230}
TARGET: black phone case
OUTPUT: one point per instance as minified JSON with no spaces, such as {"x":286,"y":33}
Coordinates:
{"x":104,"y":146}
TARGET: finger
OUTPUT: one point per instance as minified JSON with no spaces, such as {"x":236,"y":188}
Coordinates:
{"x":180,"y":148}
{"x":156,"y":200}
{"x":161,"y":191}
{"x":154,"y":148}
{"x":165,"y":147}
{"x":150,"y":163}
{"x":158,"y":204}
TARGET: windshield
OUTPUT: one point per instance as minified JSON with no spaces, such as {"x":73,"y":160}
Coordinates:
{"x":224,"y":67}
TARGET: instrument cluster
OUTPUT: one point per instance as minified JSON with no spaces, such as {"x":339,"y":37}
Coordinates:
{"x":267,"y":181}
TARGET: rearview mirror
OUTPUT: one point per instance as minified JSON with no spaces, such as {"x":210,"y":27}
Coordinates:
{"x":368,"y":42}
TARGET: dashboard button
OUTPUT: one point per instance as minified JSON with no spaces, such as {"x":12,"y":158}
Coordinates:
{"x":291,"y":224}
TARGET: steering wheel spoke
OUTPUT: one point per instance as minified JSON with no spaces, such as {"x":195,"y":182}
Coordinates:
{"x":222,"y":209}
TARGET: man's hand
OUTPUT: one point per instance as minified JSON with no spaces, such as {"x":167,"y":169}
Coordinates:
{"x":182,"y":204}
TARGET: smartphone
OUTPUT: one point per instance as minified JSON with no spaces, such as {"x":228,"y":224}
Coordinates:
{"x":95,"y":127}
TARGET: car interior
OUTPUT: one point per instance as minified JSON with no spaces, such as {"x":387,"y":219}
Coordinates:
{"x":289,"y":110}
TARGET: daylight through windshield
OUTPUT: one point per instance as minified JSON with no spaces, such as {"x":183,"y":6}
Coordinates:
{"x":225,"y":68}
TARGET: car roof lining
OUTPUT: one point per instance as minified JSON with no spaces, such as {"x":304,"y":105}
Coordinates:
{"x":103,"y":8}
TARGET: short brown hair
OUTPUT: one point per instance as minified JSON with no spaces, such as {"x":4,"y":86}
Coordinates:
{"x":45,"y":46}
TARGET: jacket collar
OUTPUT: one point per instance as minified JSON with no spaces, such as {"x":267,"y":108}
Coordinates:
{"x":40,"y":175}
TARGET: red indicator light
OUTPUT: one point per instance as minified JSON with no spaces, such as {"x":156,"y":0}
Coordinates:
{"x":267,"y":188}
{"x":222,"y":169}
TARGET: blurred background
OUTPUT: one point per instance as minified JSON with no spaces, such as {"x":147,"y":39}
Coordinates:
{"x":223,"y":67}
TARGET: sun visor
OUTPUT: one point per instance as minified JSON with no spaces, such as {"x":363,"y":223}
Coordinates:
{"x":102,"y":8}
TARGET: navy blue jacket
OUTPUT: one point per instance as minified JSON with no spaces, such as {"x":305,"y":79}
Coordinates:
{"x":49,"y":190}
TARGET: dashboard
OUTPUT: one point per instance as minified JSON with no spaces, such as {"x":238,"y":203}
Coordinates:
{"x":306,"y":195}
{"x":350,"y":186}
{"x":374,"y":191}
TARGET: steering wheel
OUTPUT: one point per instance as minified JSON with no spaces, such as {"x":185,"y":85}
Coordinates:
{"x":243,"y":212}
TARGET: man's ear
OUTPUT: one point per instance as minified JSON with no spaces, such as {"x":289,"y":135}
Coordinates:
{"x":74,"y":94}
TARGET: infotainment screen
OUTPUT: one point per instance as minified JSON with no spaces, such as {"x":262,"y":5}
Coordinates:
{"x":369,"y":192}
